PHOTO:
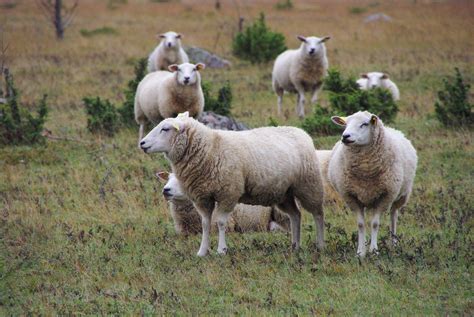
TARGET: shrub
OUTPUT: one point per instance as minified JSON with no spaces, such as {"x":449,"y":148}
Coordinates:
{"x":284,"y":5}
{"x":320,"y":122}
{"x":257,"y":43}
{"x":105,"y":30}
{"x":453,"y":107}
{"x":220,"y":105}
{"x":17,"y":124}
{"x":102,"y":116}
{"x":126,"y":111}
{"x":345,"y":97}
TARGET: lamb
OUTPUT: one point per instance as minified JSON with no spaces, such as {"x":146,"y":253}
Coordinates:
{"x":301,"y":70}
{"x":167,"y":53}
{"x":244,"y":218}
{"x":372,"y":168}
{"x":164,"y":94}
{"x":265,"y":166}
{"x":377,"y":79}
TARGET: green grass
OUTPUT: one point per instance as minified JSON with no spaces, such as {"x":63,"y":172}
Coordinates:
{"x":84,"y":229}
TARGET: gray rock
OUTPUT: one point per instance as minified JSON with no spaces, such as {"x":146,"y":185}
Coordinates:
{"x":219,"y":122}
{"x":199,"y":55}
{"x":377,"y":17}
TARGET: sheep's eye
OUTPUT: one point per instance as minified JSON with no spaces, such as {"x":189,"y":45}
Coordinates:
{"x":364,"y":124}
{"x":164,"y":129}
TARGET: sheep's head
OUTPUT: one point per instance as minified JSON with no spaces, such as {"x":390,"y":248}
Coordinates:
{"x":374,"y":79}
{"x":313,"y":46}
{"x":170,"y":39}
{"x":187,"y":74}
{"x":165,"y":135}
{"x":359,"y":128}
{"x":172,"y":191}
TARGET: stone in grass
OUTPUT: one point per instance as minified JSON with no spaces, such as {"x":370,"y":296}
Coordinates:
{"x":219,"y":122}
{"x":377,"y":17}
{"x":199,"y":55}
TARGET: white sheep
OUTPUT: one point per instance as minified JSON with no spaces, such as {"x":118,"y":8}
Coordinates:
{"x":265,"y":166}
{"x":372,"y":168}
{"x":167,"y":53}
{"x":377,"y":79}
{"x":244,"y":218}
{"x":163,"y":94}
{"x":301,"y":70}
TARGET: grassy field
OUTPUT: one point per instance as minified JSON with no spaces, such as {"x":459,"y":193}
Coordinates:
{"x":84,"y":229}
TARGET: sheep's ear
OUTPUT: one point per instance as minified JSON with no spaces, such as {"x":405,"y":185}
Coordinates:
{"x":324,"y":39}
{"x":162,"y":176}
{"x":374,"y":119}
{"x":364,"y":76}
{"x":339,"y":120}
{"x":200,"y":66}
{"x":183,"y":115}
{"x":160,"y":36}
{"x":301,"y":38}
{"x":384,"y":76}
{"x":173,"y":68}
{"x":178,"y":36}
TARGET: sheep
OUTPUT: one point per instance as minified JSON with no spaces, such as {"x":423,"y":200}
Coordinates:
{"x":301,"y":70}
{"x":330,"y":195}
{"x":265,"y":166}
{"x":167,"y":53}
{"x":372,"y":168}
{"x":377,"y":79}
{"x":244,"y":218}
{"x":164,"y":94}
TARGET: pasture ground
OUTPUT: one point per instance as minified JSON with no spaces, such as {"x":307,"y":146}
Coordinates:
{"x":84,"y":229}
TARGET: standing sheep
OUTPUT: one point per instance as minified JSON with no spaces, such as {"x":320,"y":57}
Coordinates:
{"x":301,"y":70}
{"x":244,"y":218}
{"x":167,"y":53}
{"x":163,"y":94}
{"x":372,"y":168}
{"x":264,"y":166}
{"x":377,"y":79}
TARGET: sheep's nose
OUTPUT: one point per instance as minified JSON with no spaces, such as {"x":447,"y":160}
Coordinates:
{"x":312,"y":51}
{"x":166,"y":191}
{"x":345,"y":136}
{"x":169,"y":44}
{"x":142,"y":143}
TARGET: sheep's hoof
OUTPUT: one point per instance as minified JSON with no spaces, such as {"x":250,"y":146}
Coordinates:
{"x":361,"y":254}
{"x":295,"y":246}
{"x":374,"y":251}
{"x":202,"y":253}
{"x":222,"y":251}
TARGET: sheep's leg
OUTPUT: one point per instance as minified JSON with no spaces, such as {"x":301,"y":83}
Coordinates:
{"x":279,"y":100}
{"x":300,"y":101}
{"x":361,"y":249}
{"x":393,"y":225}
{"x":289,"y":206}
{"x":223,"y":210}
{"x":140,"y":133}
{"x":314,"y":98}
{"x":375,"y":224}
{"x":205,"y":210}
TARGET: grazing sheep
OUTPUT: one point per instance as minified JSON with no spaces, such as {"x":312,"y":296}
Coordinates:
{"x":167,"y":53}
{"x":163,"y":94}
{"x":264,"y":166}
{"x":244,"y":218}
{"x":376,"y":79}
{"x":301,"y":70}
{"x":372,"y":168}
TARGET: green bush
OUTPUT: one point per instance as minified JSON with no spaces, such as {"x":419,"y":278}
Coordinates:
{"x":345,"y":98}
{"x":105,"y":30}
{"x":320,"y":122}
{"x":257,"y":43}
{"x":17,"y":124}
{"x":284,"y":5}
{"x":102,"y":116}
{"x":126,"y":111}
{"x":453,"y":107}
{"x":220,"y":105}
